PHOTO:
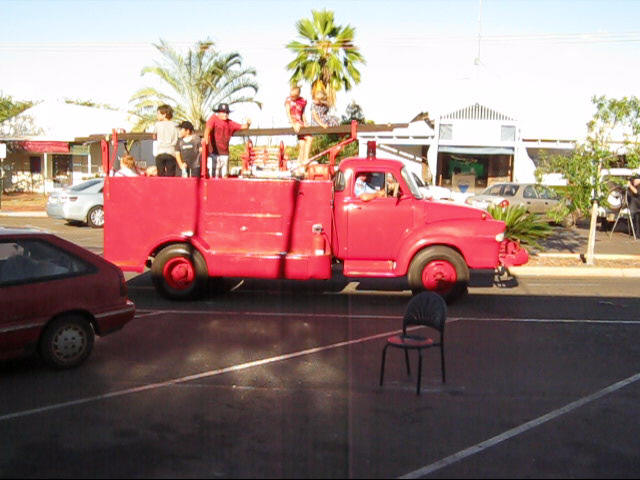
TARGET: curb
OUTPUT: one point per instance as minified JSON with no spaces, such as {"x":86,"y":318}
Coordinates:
{"x":23,"y":214}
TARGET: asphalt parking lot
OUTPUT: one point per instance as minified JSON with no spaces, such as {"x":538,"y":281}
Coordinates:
{"x":280,"y":379}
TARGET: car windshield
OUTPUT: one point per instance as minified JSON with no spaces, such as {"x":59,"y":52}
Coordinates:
{"x":413,"y":186}
{"x":85,"y":185}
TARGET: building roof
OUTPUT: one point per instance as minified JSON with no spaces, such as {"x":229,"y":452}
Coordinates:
{"x":60,"y":121}
{"x":476,"y":112}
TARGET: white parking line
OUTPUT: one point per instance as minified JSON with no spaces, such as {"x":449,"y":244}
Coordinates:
{"x":479,"y":447}
{"x":145,"y":313}
{"x":188,"y":378}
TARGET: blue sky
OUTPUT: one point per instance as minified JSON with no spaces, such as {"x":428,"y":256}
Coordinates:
{"x":541,"y":61}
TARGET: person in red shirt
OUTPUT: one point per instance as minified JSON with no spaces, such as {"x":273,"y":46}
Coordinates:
{"x":295,"y":105}
{"x":217,"y":134}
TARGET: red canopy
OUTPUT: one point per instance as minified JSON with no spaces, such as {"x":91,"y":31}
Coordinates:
{"x":45,"y":147}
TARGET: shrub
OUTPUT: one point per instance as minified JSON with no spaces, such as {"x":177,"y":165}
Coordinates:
{"x":527,"y":228}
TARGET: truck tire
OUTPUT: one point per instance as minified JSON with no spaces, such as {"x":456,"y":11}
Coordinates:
{"x":67,"y":341}
{"x":441,"y":270}
{"x":95,"y":217}
{"x":179,"y":272}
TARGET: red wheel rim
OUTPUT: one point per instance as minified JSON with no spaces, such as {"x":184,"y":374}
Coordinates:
{"x":439,"y":276}
{"x":179,"y":273}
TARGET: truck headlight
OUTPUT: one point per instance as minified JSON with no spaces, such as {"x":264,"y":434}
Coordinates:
{"x":500,"y":237}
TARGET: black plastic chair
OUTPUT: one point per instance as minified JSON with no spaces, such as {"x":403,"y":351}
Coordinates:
{"x":425,"y":309}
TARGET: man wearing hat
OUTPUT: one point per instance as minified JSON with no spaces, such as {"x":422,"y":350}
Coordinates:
{"x":217,"y":134}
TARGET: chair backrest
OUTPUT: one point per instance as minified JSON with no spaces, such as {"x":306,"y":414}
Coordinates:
{"x":428,"y":309}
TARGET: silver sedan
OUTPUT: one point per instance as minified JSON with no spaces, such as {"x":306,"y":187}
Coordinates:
{"x":535,"y":198}
{"x":81,"y":202}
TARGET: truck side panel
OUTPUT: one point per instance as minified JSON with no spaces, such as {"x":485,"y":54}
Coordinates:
{"x":262,"y":228}
{"x":243,"y":227}
{"x":142,"y":212}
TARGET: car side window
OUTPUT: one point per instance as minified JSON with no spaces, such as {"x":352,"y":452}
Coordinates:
{"x":510,"y":190}
{"x":529,"y":192}
{"x":26,"y":261}
{"x":495,"y":190}
{"x":368,"y":182}
{"x":547,"y":193}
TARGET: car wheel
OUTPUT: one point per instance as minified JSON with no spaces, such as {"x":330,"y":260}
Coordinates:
{"x":179,"y":272}
{"x":95,"y":217}
{"x":67,"y":341}
{"x":441,"y":270}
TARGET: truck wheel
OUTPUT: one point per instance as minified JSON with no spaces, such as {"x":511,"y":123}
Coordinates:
{"x":441,"y":270}
{"x":95,"y":217}
{"x":67,"y":341}
{"x":179,"y":272}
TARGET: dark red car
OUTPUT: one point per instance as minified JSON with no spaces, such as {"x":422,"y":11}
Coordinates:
{"x":55,"y":296}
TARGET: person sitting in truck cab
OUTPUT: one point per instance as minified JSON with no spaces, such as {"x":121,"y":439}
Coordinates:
{"x":365,"y":189}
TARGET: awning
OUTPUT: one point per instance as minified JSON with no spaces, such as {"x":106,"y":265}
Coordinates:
{"x":36,"y":146}
{"x":477,"y":150}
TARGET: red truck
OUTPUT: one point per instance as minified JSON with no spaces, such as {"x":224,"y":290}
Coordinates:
{"x":189,"y":230}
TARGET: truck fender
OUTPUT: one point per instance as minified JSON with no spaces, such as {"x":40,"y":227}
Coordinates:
{"x":172,"y":240}
{"x":475,"y":241}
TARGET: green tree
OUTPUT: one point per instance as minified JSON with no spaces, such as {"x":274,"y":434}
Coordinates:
{"x":613,"y":137}
{"x":326,"y":56}
{"x":353,"y":112}
{"x":10,"y":107}
{"x":194,"y":83}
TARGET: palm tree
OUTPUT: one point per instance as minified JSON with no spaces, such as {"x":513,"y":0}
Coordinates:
{"x":194,"y":83}
{"x":327,"y":56}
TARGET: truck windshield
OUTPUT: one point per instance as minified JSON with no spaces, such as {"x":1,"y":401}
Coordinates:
{"x":415,"y":191}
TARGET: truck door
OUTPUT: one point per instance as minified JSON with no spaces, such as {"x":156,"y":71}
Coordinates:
{"x":377,"y":220}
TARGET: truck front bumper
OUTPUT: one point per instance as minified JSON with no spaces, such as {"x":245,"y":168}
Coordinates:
{"x":512,"y":254}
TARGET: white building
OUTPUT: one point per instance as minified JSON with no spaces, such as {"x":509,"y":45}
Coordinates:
{"x":467,"y":149}
{"x":44,"y":155}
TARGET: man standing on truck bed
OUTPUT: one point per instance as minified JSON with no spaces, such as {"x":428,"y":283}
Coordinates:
{"x":217,"y":134}
{"x":165,"y":133}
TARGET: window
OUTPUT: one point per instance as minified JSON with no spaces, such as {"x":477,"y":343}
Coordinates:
{"x":529,"y":192}
{"x":338,"y":181}
{"x":547,"y":193}
{"x":368,"y":182}
{"x":24,"y":261}
{"x":446,"y":131}
{"x":510,"y":190}
{"x":493,"y":190}
{"x":35,"y":164}
{"x":508,"y":133}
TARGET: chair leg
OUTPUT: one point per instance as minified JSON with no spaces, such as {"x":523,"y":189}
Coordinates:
{"x":384,"y":356}
{"x":406,"y":361}
{"x":419,"y":371}
{"x":442,"y":363}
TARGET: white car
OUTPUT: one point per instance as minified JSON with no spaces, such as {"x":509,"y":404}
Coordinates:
{"x":81,"y":202}
{"x":433,"y":192}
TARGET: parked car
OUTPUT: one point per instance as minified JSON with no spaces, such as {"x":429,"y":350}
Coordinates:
{"x":55,"y":296}
{"x":536,"y":198}
{"x":434,"y":192}
{"x":82,"y":202}
{"x":615,"y":182}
